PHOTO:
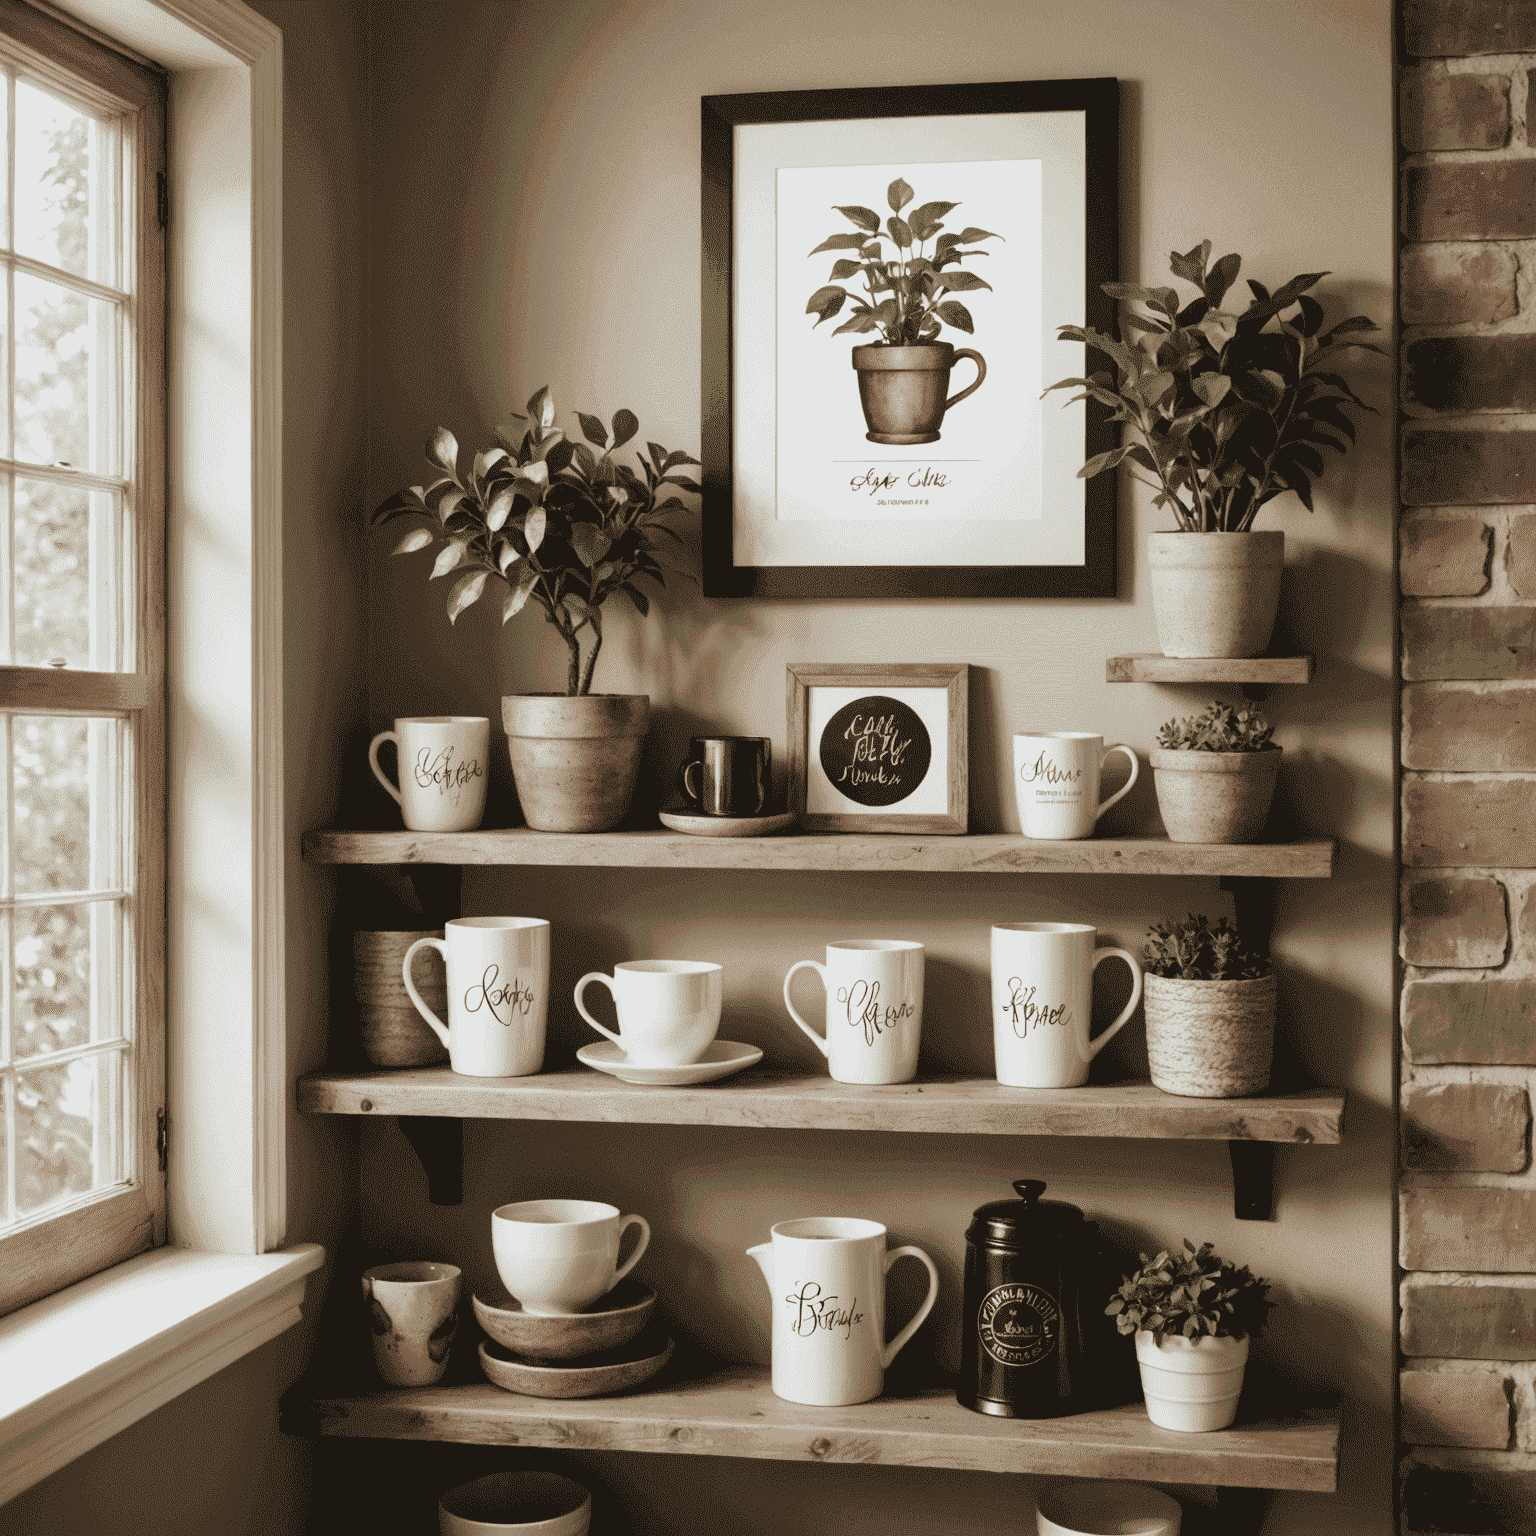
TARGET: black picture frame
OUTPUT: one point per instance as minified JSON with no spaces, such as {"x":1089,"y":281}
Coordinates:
{"x":1098,"y":101}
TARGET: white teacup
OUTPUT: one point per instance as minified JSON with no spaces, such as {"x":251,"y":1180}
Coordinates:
{"x":1056,"y":779}
{"x":559,"y":1256}
{"x":443,"y":761}
{"x":669,"y":1010}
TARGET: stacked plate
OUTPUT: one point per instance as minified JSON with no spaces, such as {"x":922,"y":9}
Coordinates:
{"x":394,"y":1034}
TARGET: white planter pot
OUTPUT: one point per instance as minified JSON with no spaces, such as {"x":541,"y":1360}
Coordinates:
{"x":1191,"y":1384}
{"x":1215,"y":594}
{"x":1214,"y":797}
{"x":575,"y":760}
{"x":1210,"y":1039}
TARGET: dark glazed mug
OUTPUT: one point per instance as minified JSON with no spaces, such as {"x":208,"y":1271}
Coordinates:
{"x":727,"y":775}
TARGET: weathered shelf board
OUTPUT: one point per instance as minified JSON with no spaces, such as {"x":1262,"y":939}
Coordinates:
{"x":1213,"y":669}
{"x":734,"y":1413}
{"x":980,"y":854}
{"x":783,"y":1100}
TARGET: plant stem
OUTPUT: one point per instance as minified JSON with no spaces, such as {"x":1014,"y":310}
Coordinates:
{"x":597,"y":645}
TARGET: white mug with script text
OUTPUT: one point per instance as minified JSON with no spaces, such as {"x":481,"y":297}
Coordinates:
{"x":443,"y":762}
{"x":498,"y":994}
{"x":874,"y":1017}
{"x":1056,"y":779}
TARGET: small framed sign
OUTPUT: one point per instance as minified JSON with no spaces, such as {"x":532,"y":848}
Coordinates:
{"x":877,"y":748}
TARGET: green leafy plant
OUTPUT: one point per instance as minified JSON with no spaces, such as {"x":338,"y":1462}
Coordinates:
{"x":1200,"y":950}
{"x":1227,"y":410}
{"x":1218,"y":728}
{"x":1195,"y":1294}
{"x":563,"y":524}
{"x":916,"y":281}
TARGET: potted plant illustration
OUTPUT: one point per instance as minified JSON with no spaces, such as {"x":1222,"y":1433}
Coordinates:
{"x":903,"y":377}
{"x":1215,"y":774}
{"x":1224,"y":411}
{"x":1194,"y":1315}
{"x":564,"y":526}
{"x":1210,"y":1009}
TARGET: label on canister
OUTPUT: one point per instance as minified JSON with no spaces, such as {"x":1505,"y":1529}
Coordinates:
{"x":1018,"y":1324}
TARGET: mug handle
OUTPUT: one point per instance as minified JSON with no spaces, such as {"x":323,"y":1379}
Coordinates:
{"x":817,"y":1040}
{"x":1125,"y":788}
{"x":602,"y":1029}
{"x":893,"y":1349}
{"x":438,"y":1027}
{"x":693,"y":794}
{"x":645,"y":1240}
{"x":970,"y":389}
{"x":373,"y":762}
{"x":1095,"y":1046}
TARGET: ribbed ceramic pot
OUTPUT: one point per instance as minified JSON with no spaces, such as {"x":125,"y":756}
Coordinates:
{"x":1214,"y":797}
{"x":1191,"y":1384}
{"x":1215,"y":594}
{"x":575,"y":760}
{"x":1210,"y":1039}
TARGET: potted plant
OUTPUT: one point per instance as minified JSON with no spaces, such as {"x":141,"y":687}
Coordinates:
{"x":1225,"y":411}
{"x":1215,"y":775}
{"x":565,"y":526}
{"x":1210,"y":1008}
{"x":903,"y":377}
{"x":1194,"y":1315}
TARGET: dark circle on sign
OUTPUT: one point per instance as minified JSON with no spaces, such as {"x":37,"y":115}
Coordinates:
{"x":876,"y":750}
{"x":1018,"y":1325}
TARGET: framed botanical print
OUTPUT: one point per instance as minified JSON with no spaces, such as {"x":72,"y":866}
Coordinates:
{"x":884,"y":275}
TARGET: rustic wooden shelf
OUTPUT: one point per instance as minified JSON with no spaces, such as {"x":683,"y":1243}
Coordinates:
{"x":733,"y":1412}
{"x":1262,"y":670}
{"x":978,"y":854}
{"x":765,"y":1098}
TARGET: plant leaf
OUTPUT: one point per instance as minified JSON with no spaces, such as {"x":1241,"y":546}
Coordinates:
{"x":865,"y":218}
{"x":592,"y":429}
{"x":450,"y":555}
{"x":826,"y":302}
{"x":443,"y":451}
{"x":1191,"y":265}
{"x":465,"y":590}
{"x":500,"y":508}
{"x":843,"y":268}
{"x":590,"y":543}
{"x":953,"y":312}
{"x":862,"y":321}
{"x":971,"y":233}
{"x":534,"y":527}
{"x":1211,"y":387}
{"x":898,"y":195}
{"x":637,"y":597}
{"x":842,"y":242}
{"x":929,"y":213}
{"x":625,"y":425}
{"x":901,"y":231}
{"x":1221,"y":278}
{"x":962,"y":282}
{"x":417,"y":538}
{"x":518,"y":596}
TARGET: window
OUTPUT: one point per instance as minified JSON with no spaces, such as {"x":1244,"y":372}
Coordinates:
{"x":82,"y":714}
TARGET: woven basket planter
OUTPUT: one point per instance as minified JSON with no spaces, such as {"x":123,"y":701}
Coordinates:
{"x":1210,"y":1039}
{"x":393,"y":1033}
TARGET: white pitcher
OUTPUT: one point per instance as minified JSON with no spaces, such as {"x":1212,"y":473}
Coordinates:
{"x":826,"y":1276}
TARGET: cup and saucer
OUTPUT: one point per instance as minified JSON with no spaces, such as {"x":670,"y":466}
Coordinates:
{"x":725,"y":782}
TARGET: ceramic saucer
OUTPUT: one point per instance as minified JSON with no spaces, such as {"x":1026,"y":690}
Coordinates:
{"x":616,"y":1370}
{"x":721,"y":1059}
{"x":726,"y":826}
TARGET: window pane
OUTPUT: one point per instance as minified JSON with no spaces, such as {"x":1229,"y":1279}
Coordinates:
{"x":61,"y":777}
{"x":55,"y":148}
{"x":67,"y":982}
{"x":65,"y":597}
{"x":66,"y":1131}
{"x":65,"y":376}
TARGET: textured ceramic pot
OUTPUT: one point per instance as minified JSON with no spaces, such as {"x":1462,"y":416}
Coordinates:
{"x":1210,"y":1039}
{"x":1215,"y":594}
{"x":1214,"y":797}
{"x":575,"y":759}
{"x":1191,"y":1384}
{"x":903,"y":389}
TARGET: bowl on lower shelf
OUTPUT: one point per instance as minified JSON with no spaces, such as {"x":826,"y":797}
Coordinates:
{"x":606,"y":1324}
{"x":613,"y":1370}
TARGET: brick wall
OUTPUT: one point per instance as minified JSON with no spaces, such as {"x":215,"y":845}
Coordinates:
{"x":1467,"y":557}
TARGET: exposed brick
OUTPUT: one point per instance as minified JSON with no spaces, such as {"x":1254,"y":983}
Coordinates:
{"x":1455,"y":1408}
{"x":1479,"y":1023}
{"x":1454,"y":284}
{"x":1468,"y":468}
{"x":1441,"y":111}
{"x":1470,"y":1501}
{"x":1450,"y":28}
{"x":1456,"y":730}
{"x":1472,"y":373}
{"x":1465,"y":1127}
{"x":1444,"y":558}
{"x":1469,"y":1322}
{"x":1472,"y":643}
{"x":1476,"y":200}
{"x":1454,"y":920}
{"x":1520,"y":557}
{"x":1484,"y":1231}
{"x":1488,"y":822}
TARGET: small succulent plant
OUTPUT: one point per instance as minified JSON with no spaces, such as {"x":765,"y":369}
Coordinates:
{"x":1200,"y":950}
{"x":1219,"y":728}
{"x":1195,"y":1294}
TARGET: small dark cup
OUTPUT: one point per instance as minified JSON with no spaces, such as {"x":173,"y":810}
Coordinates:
{"x":727,"y":775}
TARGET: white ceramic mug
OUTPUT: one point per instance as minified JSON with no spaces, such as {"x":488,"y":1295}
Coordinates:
{"x":559,"y":1256}
{"x":414,"y":1312}
{"x":498,"y":994}
{"x":669,"y":1010}
{"x":826,"y":1280}
{"x":443,"y":763}
{"x":1042,"y":1002}
{"x":524,"y":1503}
{"x":1056,"y":779}
{"x":874,"y":1015}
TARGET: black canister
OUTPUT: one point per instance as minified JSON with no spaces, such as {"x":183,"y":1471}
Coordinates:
{"x":1024,"y":1352}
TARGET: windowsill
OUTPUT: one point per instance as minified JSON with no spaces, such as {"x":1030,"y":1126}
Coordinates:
{"x":77,"y":1367}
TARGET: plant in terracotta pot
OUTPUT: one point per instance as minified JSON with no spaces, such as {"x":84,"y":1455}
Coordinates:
{"x":1210,"y":1010}
{"x":907,"y":298}
{"x":1225,"y":411}
{"x":1194,"y":1315}
{"x":563,"y":526}
{"x":1215,"y":774}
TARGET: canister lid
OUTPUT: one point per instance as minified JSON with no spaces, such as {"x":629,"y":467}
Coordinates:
{"x":1027,"y":1219}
